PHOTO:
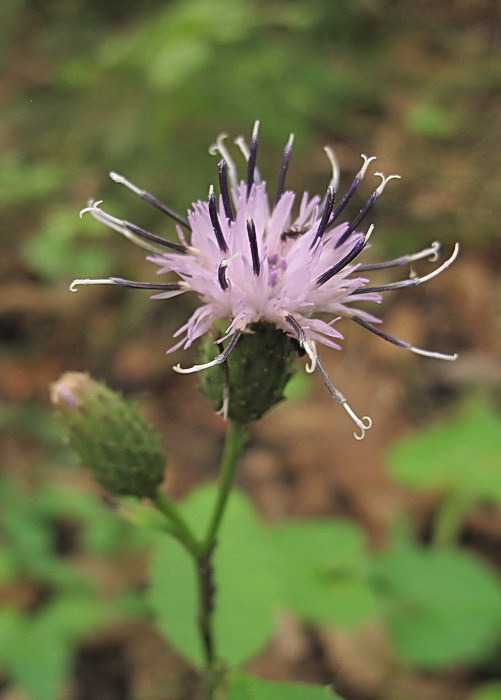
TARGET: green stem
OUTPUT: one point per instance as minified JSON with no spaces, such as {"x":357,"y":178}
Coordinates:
{"x":180,"y":528}
{"x":235,"y":440}
{"x":202,"y":551}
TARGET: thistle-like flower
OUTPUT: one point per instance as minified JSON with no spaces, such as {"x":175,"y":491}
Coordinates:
{"x":253,"y":261}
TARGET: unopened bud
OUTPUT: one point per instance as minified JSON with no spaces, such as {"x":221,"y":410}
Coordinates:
{"x":121,"y":450}
{"x":254,"y":376}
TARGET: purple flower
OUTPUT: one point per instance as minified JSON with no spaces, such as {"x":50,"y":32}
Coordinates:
{"x":253,"y":260}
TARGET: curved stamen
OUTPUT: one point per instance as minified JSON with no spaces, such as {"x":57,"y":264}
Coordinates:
{"x":223,"y":188}
{"x":411,"y":281}
{"x":222,"y":357}
{"x":402,"y":343}
{"x":431,"y":251}
{"x":331,"y":156}
{"x":164,"y":286}
{"x":308,"y":346}
{"x":251,"y":163}
{"x":352,"y":188}
{"x":251,"y":233}
{"x":216,"y":226}
{"x":363,"y":423}
{"x":76,"y":283}
{"x":283,"y":169}
{"x":119,"y":281}
{"x":368,"y":205}
{"x":134,"y":233}
{"x":221,"y":271}
{"x":329,"y":203}
{"x":219,"y":147}
{"x":244,"y":148}
{"x":356,"y":250}
{"x":150,"y":199}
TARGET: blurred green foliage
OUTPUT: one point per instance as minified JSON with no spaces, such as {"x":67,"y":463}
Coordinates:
{"x":488,"y":691}
{"x":460,"y":460}
{"x":245,"y":687}
{"x":323,"y":568}
{"x":439,"y":607}
{"x":146,"y":88}
{"x":51,"y":601}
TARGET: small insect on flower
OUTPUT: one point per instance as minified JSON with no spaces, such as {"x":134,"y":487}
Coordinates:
{"x":255,"y":264}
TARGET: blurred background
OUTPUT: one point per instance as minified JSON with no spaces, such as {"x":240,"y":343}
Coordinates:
{"x":144,"y":89}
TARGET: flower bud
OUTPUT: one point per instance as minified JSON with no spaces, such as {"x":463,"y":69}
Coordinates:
{"x":254,"y":376}
{"x":123,"y":453}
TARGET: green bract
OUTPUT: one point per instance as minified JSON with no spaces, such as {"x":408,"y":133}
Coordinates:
{"x":254,"y":376}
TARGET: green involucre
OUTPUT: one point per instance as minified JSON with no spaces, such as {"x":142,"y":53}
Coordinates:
{"x":255,"y":374}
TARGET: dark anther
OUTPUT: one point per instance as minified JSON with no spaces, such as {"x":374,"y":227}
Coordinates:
{"x":374,"y":329}
{"x":251,"y":163}
{"x":165,"y":286}
{"x":150,"y":199}
{"x":251,"y":233}
{"x":142,"y":233}
{"x":165,"y":209}
{"x":358,"y":218}
{"x":223,"y":188}
{"x":357,"y":248}
{"x":221,"y":275}
{"x":300,"y":334}
{"x":349,"y":193}
{"x":215,"y":223}
{"x":283,"y":170}
{"x":329,"y":203}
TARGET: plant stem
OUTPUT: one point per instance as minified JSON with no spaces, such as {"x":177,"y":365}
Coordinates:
{"x":206,"y":591}
{"x":235,"y":440}
{"x":202,"y":551}
{"x":180,"y":528}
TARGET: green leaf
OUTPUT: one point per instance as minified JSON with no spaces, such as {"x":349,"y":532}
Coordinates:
{"x":322,"y":567}
{"x":37,"y":650}
{"x":442,"y":607}
{"x":245,"y":687}
{"x":12,"y":623}
{"x":26,"y":534}
{"x":488,"y":691}
{"x":246,"y":582}
{"x":39,"y":657}
{"x":461,"y":455}
{"x":173,"y":597}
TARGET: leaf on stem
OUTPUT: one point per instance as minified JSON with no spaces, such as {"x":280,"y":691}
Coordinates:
{"x":322,"y":564}
{"x":441,"y":606}
{"x":246,"y":687}
{"x":245,"y":575}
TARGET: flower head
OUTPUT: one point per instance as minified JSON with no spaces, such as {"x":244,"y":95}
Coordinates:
{"x":120,"y":449}
{"x":253,"y":260}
